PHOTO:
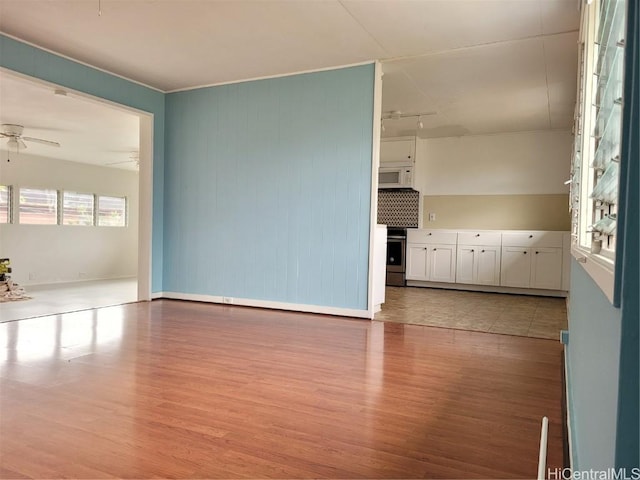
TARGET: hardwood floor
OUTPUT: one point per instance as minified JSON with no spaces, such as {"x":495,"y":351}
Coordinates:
{"x":185,"y":390}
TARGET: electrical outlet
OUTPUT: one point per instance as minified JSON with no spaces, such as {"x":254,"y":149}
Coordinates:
{"x":32,"y":276}
{"x":432,"y":217}
{"x":227,"y":300}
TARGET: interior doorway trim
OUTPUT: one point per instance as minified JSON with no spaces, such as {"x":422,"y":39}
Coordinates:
{"x":145,"y":177}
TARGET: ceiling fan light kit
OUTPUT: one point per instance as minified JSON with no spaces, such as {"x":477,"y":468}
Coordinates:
{"x":13,"y":133}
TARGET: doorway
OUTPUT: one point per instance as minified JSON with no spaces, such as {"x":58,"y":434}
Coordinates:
{"x":104,"y":158}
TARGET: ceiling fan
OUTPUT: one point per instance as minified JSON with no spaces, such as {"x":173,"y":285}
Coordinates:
{"x":133,"y":157}
{"x":16,"y":140}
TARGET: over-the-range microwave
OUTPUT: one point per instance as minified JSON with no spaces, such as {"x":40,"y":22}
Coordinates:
{"x":395,"y":176}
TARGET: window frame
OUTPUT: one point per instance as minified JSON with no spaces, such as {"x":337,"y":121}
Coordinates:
{"x":9,"y":204}
{"x":19,"y":206}
{"x":597,"y":261}
{"x":125,"y":213}
{"x":63,"y":214}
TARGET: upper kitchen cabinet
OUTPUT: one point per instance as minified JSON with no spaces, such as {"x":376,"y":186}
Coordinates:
{"x":398,"y":151}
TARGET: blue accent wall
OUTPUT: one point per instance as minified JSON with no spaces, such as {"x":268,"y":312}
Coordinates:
{"x":268,"y":189}
{"x":592,"y":363}
{"x":603,"y":350}
{"x":37,"y":63}
{"x":628,"y":263}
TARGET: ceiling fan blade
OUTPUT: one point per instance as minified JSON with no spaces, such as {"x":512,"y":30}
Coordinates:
{"x":40,"y":140}
{"x":118,"y":163}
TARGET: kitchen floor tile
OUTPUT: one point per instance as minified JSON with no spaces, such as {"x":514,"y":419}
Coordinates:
{"x":521,"y":315}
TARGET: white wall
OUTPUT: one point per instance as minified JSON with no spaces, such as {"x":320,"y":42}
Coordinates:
{"x":43,"y":254}
{"x":501,"y":164}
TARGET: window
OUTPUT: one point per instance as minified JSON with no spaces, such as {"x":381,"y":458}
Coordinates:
{"x":598,"y":131}
{"x":112,"y":211}
{"x":38,"y":207}
{"x":77,"y":208}
{"x":5,"y":204}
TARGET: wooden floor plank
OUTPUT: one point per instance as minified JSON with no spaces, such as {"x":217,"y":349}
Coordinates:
{"x":187,"y":390}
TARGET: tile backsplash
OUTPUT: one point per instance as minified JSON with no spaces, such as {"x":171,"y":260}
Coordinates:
{"x":398,"y":208}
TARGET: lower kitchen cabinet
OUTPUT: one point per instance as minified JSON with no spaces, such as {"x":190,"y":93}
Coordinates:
{"x":431,"y":263}
{"x":532,"y":267}
{"x":516,"y":267}
{"x":478,"y":265}
{"x":521,"y":261}
{"x":546,"y":268}
{"x":416,"y":262}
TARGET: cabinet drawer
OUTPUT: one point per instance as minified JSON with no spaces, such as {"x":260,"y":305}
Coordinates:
{"x":480,"y":238}
{"x":431,"y":236}
{"x":532,"y":239}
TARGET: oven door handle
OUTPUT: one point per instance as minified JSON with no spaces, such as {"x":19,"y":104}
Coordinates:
{"x":393,"y":237}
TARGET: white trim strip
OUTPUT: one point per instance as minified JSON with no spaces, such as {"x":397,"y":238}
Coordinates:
{"x":375,"y":163}
{"x":598,"y":268}
{"x":246,"y":302}
{"x":58,"y":54}
{"x":276,"y":75}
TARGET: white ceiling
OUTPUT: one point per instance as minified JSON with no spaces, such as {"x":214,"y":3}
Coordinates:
{"x":484,"y":66}
{"x":88,"y":131}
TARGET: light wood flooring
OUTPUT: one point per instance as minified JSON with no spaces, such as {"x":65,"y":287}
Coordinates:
{"x":70,"y":297}
{"x":523,"y":315}
{"x":188,"y":390}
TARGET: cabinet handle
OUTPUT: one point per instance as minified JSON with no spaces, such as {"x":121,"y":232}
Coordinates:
{"x":434,"y":249}
{"x":482,"y":251}
{"x":537,"y":253}
{"x":472,"y":250}
{"x":425,"y":248}
{"x":477,"y":234}
{"x":525,"y":252}
{"x":530,"y":236}
{"x":429,"y":234}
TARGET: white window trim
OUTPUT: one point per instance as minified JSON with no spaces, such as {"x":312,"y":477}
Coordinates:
{"x":600,"y":268}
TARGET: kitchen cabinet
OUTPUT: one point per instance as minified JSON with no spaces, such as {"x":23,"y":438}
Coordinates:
{"x":431,"y":262}
{"x":398,"y":151}
{"x":532,"y":260}
{"x":516,"y":267}
{"x":478,"y":265}
{"x":478,"y":259}
{"x":546,"y":268}
{"x":417,"y":262}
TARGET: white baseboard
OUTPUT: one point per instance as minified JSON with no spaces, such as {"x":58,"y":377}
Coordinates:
{"x":62,"y":283}
{"x":488,"y":288}
{"x":246,"y":302}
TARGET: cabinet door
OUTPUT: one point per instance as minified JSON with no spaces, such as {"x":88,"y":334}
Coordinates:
{"x":465,"y":264}
{"x":546,"y":268}
{"x":516,"y":267}
{"x":416,"y":262}
{"x":441,"y":263}
{"x":487,"y":266}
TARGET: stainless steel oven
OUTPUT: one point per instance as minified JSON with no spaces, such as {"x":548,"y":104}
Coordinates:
{"x":396,"y":256}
